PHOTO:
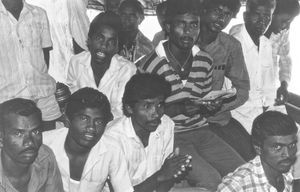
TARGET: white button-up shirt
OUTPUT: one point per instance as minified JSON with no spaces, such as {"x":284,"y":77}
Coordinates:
{"x":23,"y":70}
{"x":68,"y":19}
{"x":112,"y":84}
{"x":105,"y":159}
{"x":262,"y":74}
{"x":143,"y":161}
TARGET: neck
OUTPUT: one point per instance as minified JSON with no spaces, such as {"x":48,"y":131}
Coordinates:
{"x":206,"y":36}
{"x":269,"y":32}
{"x":128,"y":37}
{"x":271,"y":174}
{"x":73,"y":148}
{"x":179,"y":54}
{"x":100,"y":65}
{"x":254,"y":37}
{"x":12,"y":3}
{"x":141,"y":133}
{"x":13,"y":169}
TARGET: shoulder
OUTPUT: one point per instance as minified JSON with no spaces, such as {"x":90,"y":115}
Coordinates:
{"x":45,"y":154}
{"x":229,"y":40}
{"x":80,"y":59}
{"x":203,"y":56}
{"x":37,"y":11}
{"x":116,"y":128}
{"x":167,"y":122}
{"x":242,"y":177}
{"x":236,"y":29}
{"x":124,"y":64}
{"x":54,"y":136}
{"x":150,"y":61}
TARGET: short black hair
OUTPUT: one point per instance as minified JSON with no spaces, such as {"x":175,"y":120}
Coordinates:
{"x":290,"y":7}
{"x":161,"y":8}
{"x":107,"y":18}
{"x":18,"y":106}
{"x":251,"y":5}
{"x":88,"y":98}
{"x":233,"y":5}
{"x":272,"y":123}
{"x":134,"y":4}
{"x":144,"y":86}
{"x":181,"y":7}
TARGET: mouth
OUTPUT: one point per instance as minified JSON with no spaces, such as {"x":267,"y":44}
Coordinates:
{"x":155,"y":123}
{"x":89,"y":136}
{"x":100,"y":55}
{"x":187,"y":40}
{"x":218,"y":26}
{"x":29,"y":152}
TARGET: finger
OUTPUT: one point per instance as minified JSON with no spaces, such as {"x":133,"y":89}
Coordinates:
{"x":176,"y":152}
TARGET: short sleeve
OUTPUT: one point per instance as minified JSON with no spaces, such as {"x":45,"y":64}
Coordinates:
{"x":45,"y":33}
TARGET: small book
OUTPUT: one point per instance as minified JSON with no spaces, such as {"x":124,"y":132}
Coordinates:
{"x":216,"y":94}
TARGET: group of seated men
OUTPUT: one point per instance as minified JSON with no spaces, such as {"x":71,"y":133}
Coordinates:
{"x":134,"y":117}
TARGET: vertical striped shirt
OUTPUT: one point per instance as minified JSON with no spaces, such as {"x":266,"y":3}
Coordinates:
{"x":198,"y":83}
{"x":23,"y":70}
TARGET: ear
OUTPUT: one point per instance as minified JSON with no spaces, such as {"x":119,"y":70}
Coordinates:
{"x":1,"y":139}
{"x":257,"y":149}
{"x":128,"y":109}
{"x":168,"y":27}
{"x":88,"y":42}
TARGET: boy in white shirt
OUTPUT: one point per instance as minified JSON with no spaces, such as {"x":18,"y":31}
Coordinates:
{"x":86,"y":158}
{"x":101,"y":67}
{"x":147,"y":135}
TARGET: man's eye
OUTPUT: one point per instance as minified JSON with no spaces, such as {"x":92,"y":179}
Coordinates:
{"x":194,"y":25}
{"x":18,"y":133}
{"x":83,"y":118}
{"x":277,"y":147}
{"x":36,"y":132}
{"x":292,"y":146}
{"x":99,"y":123}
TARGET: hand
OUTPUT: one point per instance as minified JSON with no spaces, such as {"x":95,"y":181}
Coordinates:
{"x":282,"y":94}
{"x":189,"y":108}
{"x":174,"y":166}
{"x":214,"y":106}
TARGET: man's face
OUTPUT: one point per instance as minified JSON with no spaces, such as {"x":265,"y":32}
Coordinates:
{"x":279,"y":152}
{"x":130,"y":19}
{"x":103,"y":44}
{"x":112,"y":5}
{"x":184,"y":30}
{"x":258,"y":20}
{"x":146,"y":113}
{"x":87,"y":127}
{"x":218,"y":18}
{"x":281,"y":22}
{"x":22,"y":138}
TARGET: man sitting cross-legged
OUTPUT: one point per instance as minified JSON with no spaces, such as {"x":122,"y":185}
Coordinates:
{"x":274,"y":137}
{"x":25,"y":165}
{"x":147,"y":135}
{"x":85,"y":157}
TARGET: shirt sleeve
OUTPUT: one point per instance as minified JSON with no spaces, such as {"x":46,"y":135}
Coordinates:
{"x":229,"y":185}
{"x":285,"y":61}
{"x":118,"y":172}
{"x":45,"y":33}
{"x":236,"y":71}
{"x":71,"y":76}
{"x":54,"y":181}
{"x":169,"y":138}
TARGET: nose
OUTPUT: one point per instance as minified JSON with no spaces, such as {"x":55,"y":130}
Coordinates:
{"x":286,"y":152}
{"x":187,"y":29}
{"x":28,"y":140}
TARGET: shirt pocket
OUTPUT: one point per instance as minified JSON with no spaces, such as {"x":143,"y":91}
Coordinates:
{"x":30,"y":34}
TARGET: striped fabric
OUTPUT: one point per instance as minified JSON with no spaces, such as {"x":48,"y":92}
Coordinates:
{"x":251,"y":177}
{"x":198,"y":82}
{"x":23,"y":70}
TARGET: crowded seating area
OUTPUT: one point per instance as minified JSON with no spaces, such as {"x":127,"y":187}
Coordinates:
{"x":94,"y":105}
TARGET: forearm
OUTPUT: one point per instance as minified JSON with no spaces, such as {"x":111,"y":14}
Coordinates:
{"x":241,"y":97}
{"x":174,"y":109}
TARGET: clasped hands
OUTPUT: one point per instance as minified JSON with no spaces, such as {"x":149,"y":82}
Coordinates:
{"x":175,"y":166}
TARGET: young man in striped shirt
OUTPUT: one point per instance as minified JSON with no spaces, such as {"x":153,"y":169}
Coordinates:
{"x":189,"y":70}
